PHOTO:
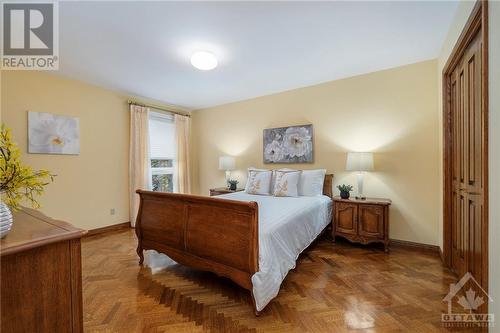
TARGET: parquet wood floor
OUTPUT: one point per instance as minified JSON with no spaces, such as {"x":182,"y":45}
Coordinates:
{"x":335,"y":288}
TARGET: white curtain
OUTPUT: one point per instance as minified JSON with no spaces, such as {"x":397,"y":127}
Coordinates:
{"x":139,"y":156}
{"x":182,"y":133}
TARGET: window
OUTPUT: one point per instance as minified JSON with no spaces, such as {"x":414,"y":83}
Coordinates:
{"x":162,"y":152}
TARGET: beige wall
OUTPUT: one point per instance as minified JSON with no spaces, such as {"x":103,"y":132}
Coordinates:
{"x":392,"y":113}
{"x":87,"y":186}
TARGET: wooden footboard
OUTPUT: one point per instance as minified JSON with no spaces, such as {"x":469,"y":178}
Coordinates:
{"x":210,"y":234}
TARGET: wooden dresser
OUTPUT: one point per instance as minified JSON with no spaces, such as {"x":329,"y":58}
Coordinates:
{"x":41,"y":278}
{"x":362,"y":221}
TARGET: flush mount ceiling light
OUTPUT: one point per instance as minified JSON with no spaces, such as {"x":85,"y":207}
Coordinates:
{"x":204,"y":60}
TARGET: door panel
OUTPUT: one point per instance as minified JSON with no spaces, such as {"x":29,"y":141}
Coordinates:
{"x":371,"y":221}
{"x":459,"y":245}
{"x":462,"y":126}
{"x":346,"y":218}
{"x":475,"y":236}
{"x":471,"y":114}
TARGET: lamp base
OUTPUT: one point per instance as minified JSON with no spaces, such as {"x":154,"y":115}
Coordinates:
{"x":228,"y":177}
{"x":360,"y":177}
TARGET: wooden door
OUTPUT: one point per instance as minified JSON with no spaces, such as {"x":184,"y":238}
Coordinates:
{"x":468,"y":158}
{"x":346,"y":217}
{"x":371,"y":221}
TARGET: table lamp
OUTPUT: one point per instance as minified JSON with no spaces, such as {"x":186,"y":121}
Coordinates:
{"x":359,"y":162}
{"x":227,"y":163}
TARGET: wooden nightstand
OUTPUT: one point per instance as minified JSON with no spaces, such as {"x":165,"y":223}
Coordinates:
{"x":223,"y":190}
{"x":362,"y":221}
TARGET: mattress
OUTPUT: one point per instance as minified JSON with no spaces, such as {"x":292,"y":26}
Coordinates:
{"x":287,"y":226}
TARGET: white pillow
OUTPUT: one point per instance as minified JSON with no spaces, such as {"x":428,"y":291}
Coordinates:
{"x":311,"y":182}
{"x":248,"y":176}
{"x":286,"y":184}
{"x":259,"y":182}
{"x":273,"y":178}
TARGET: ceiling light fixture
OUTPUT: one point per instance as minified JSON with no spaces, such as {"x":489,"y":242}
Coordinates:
{"x":204,"y":60}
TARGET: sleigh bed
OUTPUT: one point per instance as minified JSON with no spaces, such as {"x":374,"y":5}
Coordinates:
{"x":222,"y":235}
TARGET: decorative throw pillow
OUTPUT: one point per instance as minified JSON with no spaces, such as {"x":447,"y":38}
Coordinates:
{"x":286,"y":184}
{"x":259,"y":182}
{"x":273,"y":178}
{"x":248,"y":177}
{"x":311,"y":182}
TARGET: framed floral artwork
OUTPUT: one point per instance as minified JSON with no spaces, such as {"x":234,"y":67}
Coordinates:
{"x":53,"y":134}
{"x":293,"y":144}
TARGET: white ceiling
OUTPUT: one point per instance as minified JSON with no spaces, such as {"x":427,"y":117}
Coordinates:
{"x":143,"y":48}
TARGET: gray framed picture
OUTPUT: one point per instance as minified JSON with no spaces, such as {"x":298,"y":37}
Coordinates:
{"x":53,"y":134}
{"x":292,"y":144}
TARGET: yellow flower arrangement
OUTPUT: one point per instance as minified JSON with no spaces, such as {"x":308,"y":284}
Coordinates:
{"x":18,"y":182}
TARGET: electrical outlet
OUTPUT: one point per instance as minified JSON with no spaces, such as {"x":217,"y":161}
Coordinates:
{"x":112,"y":211}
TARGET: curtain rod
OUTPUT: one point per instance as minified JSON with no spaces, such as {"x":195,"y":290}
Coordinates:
{"x":158,"y":108}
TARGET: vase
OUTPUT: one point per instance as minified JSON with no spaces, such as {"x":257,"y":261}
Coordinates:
{"x":5,"y":219}
{"x":344,"y":195}
{"x":232,"y":187}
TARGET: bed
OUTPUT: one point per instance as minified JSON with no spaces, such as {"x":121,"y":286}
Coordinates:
{"x":253,"y":240}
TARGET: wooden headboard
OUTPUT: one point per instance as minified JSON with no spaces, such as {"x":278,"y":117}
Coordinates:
{"x":327,"y":185}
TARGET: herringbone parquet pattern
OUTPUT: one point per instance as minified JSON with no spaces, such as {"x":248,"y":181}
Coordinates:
{"x":335,"y":288}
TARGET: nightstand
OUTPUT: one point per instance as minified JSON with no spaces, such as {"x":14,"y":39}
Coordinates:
{"x":362,"y":221}
{"x":223,"y":190}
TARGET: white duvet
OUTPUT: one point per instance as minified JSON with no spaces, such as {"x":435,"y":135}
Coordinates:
{"x":287,"y":225}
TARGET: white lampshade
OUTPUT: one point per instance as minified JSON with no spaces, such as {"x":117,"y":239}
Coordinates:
{"x":227,"y":163}
{"x":359,"y":162}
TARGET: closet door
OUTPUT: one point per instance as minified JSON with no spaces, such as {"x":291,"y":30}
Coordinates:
{"x":468,"y":135}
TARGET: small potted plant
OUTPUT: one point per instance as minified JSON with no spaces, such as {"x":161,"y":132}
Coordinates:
{"x":232,"y":184}
{"x":18,"y":183}
{"x":344,"y":190}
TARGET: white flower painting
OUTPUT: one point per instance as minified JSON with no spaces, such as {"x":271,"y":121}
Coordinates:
{"x":292,"y":144}
{"x":274,"y":152}
{"x":53,"y":134}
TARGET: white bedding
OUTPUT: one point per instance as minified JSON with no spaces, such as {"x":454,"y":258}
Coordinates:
{"x":287,"y":225}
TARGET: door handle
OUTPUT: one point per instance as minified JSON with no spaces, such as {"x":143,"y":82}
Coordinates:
{"x":463,"y":190}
